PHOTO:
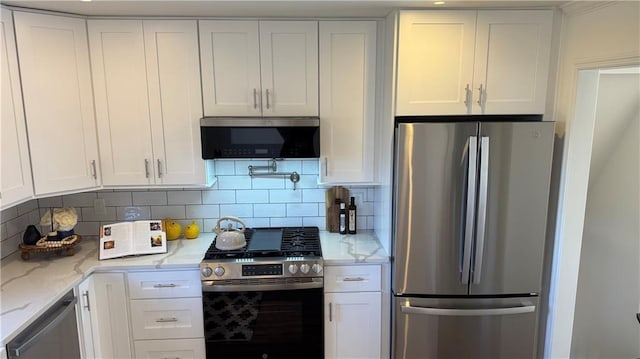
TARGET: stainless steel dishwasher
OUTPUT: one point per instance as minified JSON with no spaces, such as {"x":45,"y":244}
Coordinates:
{"x":53,"y":335}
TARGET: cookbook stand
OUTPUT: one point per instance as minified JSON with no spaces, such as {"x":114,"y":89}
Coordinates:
{"x":65,"y":246}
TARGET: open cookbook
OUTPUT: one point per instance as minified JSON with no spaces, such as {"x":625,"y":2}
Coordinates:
{"x":132,"y":238}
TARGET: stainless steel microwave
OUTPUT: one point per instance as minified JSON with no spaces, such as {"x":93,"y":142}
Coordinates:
{"x":281,"y":137}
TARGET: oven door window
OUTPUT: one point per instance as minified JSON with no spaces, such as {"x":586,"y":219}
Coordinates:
{"x":264,"y":324}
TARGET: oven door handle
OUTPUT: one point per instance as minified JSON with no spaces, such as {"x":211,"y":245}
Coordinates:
{"x":211,"y":286}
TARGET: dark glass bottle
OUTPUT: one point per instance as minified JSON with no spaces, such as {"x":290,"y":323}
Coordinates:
{"x":351,"y":217}
{"x":343,"y":219}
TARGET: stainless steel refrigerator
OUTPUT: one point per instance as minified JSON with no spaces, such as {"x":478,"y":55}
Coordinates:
{"x":470,"y":211}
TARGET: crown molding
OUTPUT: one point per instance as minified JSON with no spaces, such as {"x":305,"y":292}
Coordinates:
{"x":572,"y":8}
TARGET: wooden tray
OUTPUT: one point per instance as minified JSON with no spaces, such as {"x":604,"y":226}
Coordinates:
{"x":51,"y":247}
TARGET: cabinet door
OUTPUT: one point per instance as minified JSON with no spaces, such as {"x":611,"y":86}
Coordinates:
{"x":230,"y":59}
{"x":109,"y":315}
{"x":56,"y":83}
{"x":352,"y":325}
{"x":85,"y":326}
{"x":15,"y":182}
{"x":289,"y":68}
{"x":347,"y":100}
{"x":175,"y":99}
{"x":512,"y":61}
{"x":122,"y":106}
{"x":435,"y":62}
{"x":173,"y":348}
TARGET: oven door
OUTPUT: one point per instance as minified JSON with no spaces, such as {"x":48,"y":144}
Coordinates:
{"x":264,"y":324}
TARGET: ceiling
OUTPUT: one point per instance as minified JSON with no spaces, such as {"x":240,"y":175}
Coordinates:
{"x":266,"y":8}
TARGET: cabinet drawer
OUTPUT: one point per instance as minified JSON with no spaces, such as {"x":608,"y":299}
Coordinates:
{"x":357,"y":278}
{"x":167,"y":318}
{"x":161,"y":284}
{"x":176,"y":348}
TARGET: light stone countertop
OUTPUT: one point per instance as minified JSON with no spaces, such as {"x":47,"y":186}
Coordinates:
{"x":29,"y":288}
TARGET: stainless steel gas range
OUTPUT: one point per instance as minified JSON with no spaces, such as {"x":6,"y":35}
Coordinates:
{"x":265,"y":300}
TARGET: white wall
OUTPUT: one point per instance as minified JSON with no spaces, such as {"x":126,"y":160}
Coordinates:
{"x":608,"y":294}
{"x":594,"y":36}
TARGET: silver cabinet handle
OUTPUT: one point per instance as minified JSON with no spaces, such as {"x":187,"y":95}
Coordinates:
{"x":267,"y":99}
{"x":170,"y":285}
{"x":472,"y":154}
{"x":330,"y":312}
{"x":408,"y":309}
{"x":87,"y":306}
{"x":167,"y":320}
{"x":467,"y":97}
{"x":146,"y":167}
{"x":94,"y":170}
{"x":353,"y":279}
{"x":255,"y":101}
{"x":482,"y":96}
{"x":159,"y":169}
{"x":326,"y":167}
{"x":482,"y":208}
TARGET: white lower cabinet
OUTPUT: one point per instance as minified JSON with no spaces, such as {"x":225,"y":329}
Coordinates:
{"x":162,"y":349}
{"x":353,"y":311}
{"x":166,"y":314}
{"x":104,"y":316}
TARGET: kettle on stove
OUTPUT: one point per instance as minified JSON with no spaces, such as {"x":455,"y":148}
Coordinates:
{"x":230,"y":238}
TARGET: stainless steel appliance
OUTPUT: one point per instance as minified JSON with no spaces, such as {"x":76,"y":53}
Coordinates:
{"x":470,"y":209}
{"x":53,"y":335}
{"x":282,"y":137}
{"x":265,"y":300}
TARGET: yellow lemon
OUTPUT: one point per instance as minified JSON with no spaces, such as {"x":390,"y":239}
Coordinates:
{"x":191,"y":231}
{"x":173,"y":230}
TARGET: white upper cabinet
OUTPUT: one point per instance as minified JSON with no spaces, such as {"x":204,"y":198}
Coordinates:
{"x":435,"y":62}
{"x":148,"y":101}
{"x":58,"y":102}
{"x":347,"y":101}
{"x":15,"y":183}
{"x":473,"y":62}
{"x":259,"y":68}
{"x":512,"y":61}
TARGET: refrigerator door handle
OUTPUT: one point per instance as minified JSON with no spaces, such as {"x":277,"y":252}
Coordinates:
{"x":482,"y":208}
{"x":408,"y":309}
{"x":472,"y":153}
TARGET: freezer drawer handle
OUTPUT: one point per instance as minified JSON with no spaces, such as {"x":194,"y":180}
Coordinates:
{"x":408,"y":309}
{"x":353,"y":279}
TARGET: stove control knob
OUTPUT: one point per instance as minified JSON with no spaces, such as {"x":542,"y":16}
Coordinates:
{"x":316,"y":268}
{"x":219,"y":271}
{"x":207,"y":271}
{"x":293,"y":268}
{"x":304,"y":268}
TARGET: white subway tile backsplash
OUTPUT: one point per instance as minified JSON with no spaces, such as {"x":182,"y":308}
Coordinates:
{"x":269,"y":210}
{"x":302,"y":209}
{"x":310,"y":167}
{"x":173,"y":212}
{"x":313,"y":195}
{"x":234,"y":182}
{"x":258,"y":201}
{"x":267,"y":182}
{"x":113,"y":199}
{"x":89,"y":214}
{"x":184,"y":197}
{"x":79,"y":199}
{"x":150,"y":198}
{"x":285,"y":196}
{"x":314,"y":221}
{"x":252,"y":196}
{"x":225,"y":167}
{"x":10,"y":245}
{"x":27,"y":207}
{"x":203,"y":211}
{"x":55,"y":201}
{"x":236,"y":210}
{"x":286,"y":222}
{"x":131,"y":213}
